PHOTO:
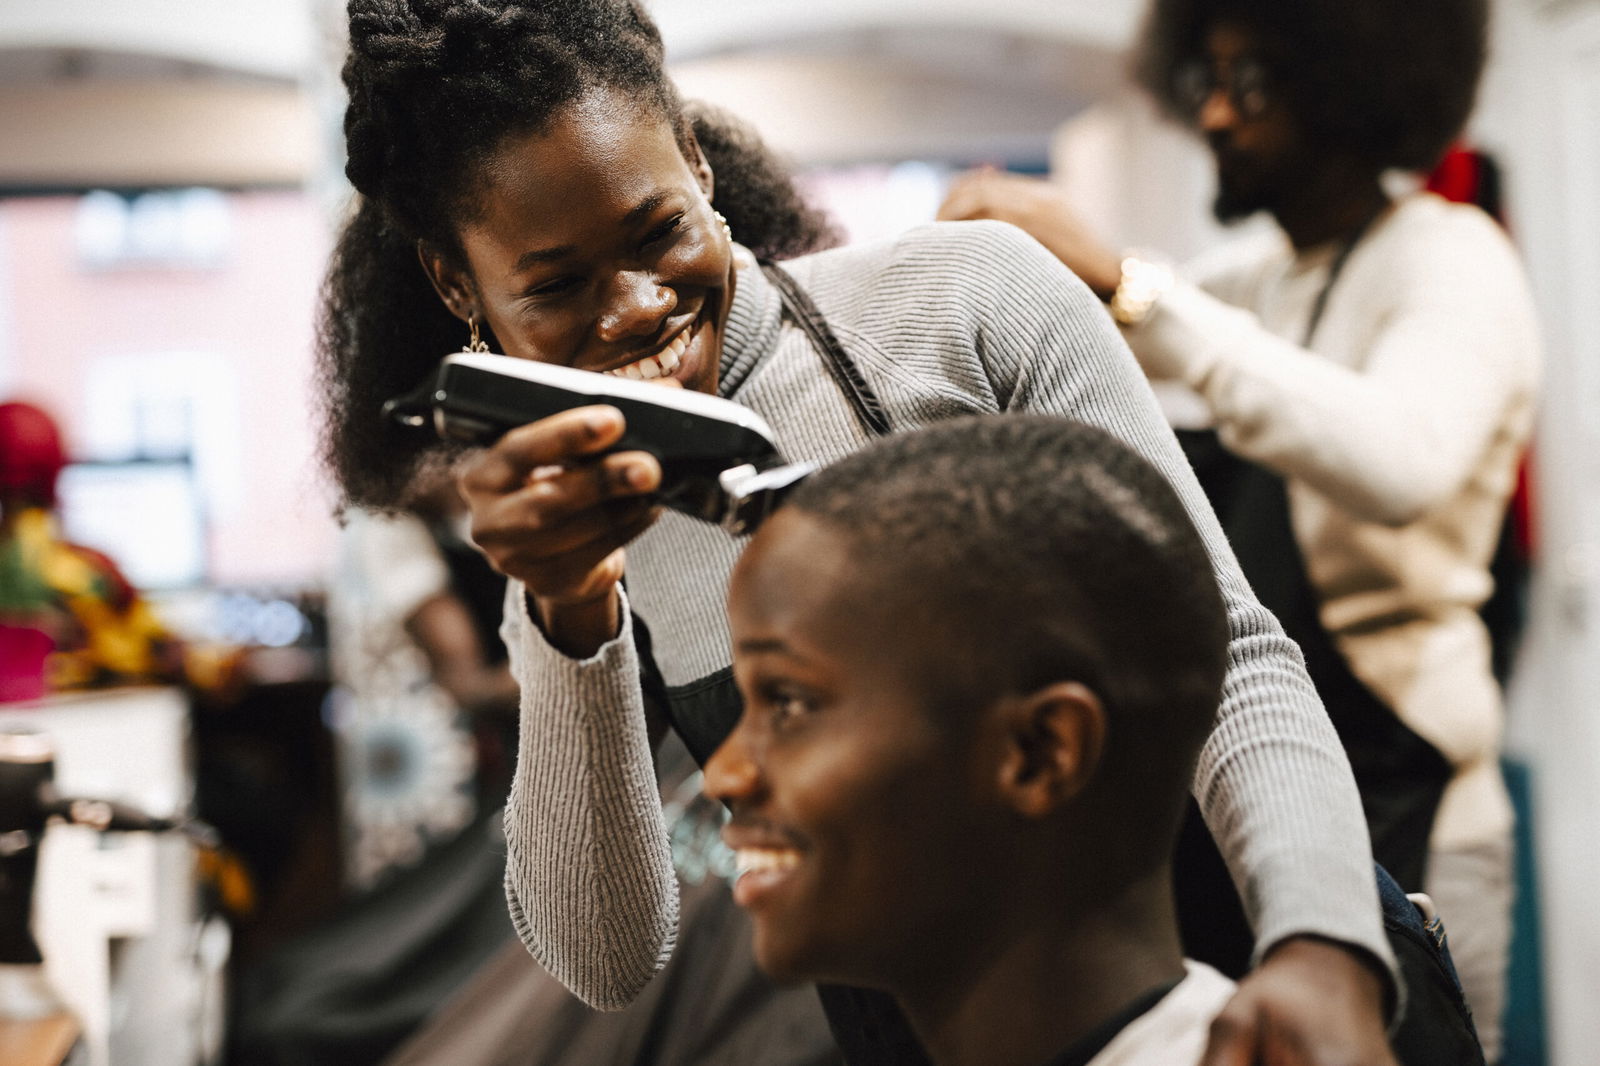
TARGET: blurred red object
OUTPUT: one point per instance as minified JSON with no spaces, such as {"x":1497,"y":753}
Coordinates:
{"x":31,"y":454}
{"x":1458,"y":177}
{"x":23,"y":652}
{"x":1469,"y":175}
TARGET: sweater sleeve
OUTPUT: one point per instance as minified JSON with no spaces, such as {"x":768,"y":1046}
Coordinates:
{"x":1273,"y":781}
{"x":589,"y":875}
{"x":1401,"y":433}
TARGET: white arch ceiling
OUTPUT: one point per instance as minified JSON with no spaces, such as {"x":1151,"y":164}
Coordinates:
{"x":846,"y":80}
{"x":694,"y":28}
{"x":273,"y":38}
{"x":278,"y":37}
{"x":827,"y":80}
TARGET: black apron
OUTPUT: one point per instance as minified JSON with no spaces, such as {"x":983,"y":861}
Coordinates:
{"x":1400,"y":775}
{"x":704,"y":711}
{"x":868,"y":1025}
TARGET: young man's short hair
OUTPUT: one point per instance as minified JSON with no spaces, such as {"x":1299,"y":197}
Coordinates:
{"x":1036,"y":549}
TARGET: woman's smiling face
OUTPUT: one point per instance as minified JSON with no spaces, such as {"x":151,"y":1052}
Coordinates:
{"x":592,"y":243}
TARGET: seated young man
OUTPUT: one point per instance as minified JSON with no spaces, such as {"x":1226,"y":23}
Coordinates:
{"x":978,"y":663}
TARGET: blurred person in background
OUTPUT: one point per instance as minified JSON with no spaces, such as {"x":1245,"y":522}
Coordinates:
{"x":423,"y":715}
{"x":427,"y":706}
{"x":68,"y":617}
{"x":1370,"y":369}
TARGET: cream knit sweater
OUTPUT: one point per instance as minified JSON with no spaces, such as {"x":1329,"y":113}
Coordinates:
{"x":1399,"y":434}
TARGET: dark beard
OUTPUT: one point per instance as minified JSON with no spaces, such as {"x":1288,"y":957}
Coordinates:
{"x":1246,"y":183}
{"x":1228,"y":210}
{"x":1233,"y":204}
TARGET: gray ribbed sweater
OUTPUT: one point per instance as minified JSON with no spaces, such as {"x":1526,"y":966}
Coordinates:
{"x":947,"y":319}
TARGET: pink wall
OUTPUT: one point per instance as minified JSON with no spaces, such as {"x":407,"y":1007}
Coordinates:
{"x":256,"y":311}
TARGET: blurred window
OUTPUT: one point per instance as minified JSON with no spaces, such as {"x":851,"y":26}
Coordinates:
{"x":145,"y":514}
{"x":188,"y":228}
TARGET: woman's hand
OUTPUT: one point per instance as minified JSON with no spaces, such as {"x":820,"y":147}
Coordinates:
{"x":1310,"y":1003}
{"x":548,"y":514}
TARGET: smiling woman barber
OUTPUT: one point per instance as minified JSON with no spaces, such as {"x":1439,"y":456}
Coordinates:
{"x":533,"y":163}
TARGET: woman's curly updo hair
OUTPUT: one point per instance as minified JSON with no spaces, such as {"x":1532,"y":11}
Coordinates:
{"x":435,"y":87}
{"x":1391,"y":81}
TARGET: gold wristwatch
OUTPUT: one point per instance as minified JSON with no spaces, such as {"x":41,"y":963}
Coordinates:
{"x":1140,"y":288}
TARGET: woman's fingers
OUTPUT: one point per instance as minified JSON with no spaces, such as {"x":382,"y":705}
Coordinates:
{"x":557,"y":440}
{"x":586,"y":570}
{"x":967,"y":197}
{"x":552,"y":510}
{"x":556,"y":495}
{"x":521,"y":544}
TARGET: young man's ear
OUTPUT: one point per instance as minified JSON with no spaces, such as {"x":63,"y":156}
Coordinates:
{"x":1054,"y":740}
{"x":449,"y":281}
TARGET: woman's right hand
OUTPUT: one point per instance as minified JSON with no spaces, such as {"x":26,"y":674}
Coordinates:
{"x":545,"y":514}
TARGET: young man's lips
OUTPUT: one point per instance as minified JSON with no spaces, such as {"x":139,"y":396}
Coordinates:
{"x":765,"y":857}
{"x":750,"y":832}
{"x":761,"y":871}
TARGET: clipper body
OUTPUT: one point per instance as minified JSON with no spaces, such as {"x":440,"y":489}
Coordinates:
{"x":718,"y":460}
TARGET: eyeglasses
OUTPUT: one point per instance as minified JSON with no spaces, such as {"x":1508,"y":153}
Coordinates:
{"x":1244,"y":81}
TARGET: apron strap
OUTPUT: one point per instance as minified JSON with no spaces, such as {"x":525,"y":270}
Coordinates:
{"x":702,"y":711}
{"x":868,"y":408}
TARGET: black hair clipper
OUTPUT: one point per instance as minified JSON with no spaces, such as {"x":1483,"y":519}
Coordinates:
{"x":718,"y":460}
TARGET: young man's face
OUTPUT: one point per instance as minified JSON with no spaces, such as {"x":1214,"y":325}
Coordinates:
{"x":863,"y":819}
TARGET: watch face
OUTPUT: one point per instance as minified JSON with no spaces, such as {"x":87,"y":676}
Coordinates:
{"x":1141,"y":287}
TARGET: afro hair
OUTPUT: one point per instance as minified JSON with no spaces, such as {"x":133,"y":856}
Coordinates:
{"x":1392,"y":81}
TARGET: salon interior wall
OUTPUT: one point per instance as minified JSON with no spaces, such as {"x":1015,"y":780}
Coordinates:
{"x":153,"y":92}
{"x":170,"y":94}
{"x":1541,"y":111}
{"x":835,"y":82}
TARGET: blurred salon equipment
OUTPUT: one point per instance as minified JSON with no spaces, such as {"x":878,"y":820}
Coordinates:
{"x":64,"y":1002}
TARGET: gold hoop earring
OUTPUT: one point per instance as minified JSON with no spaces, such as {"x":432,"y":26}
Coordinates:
{"x":475,"y":344}
{"x":727,"y":231}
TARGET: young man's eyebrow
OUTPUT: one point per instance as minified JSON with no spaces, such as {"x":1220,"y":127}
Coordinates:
{"x":759,"y":645}
{"x":643,"y":209}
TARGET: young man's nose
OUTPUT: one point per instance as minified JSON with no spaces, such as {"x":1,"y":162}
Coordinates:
{"x":635,"y":305}
{"x":1217,"y":112}
{"x":731,"y":776}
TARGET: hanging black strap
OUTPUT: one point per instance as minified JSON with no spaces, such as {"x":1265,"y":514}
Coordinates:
{"x":703,"y":711}
{"x":1334,"y":270}
{"x":867,"y":406}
